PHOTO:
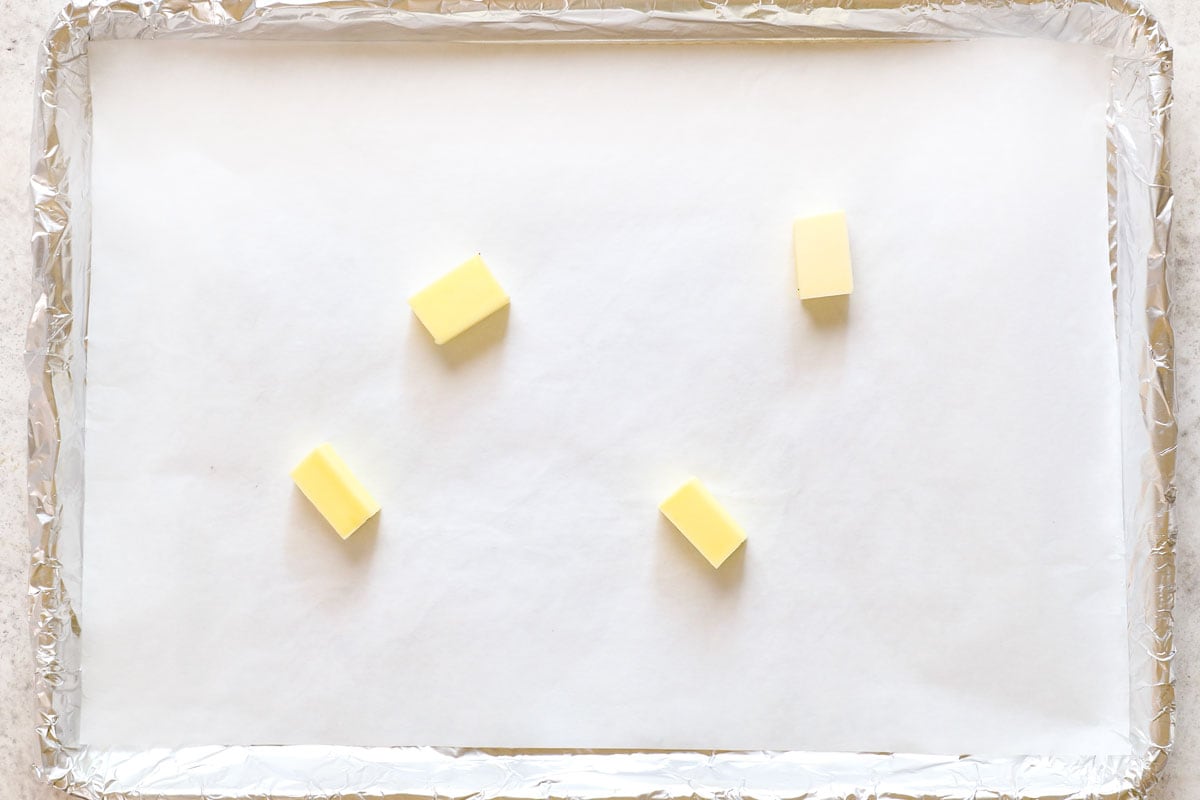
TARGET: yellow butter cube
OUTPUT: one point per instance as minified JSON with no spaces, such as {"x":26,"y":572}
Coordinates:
{"x":822,"y":248}
{"x":701,"y":519}
{"x":330,"y":486}
{"x":457,"y":300}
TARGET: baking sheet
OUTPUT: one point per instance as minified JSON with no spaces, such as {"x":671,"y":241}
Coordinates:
{"x":922,"y":472}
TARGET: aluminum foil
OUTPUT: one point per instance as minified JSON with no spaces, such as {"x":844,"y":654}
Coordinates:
{"x":1139,"y":203}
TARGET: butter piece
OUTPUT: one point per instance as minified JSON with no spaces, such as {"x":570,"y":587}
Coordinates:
{"x":457,"y":300}
{"x":330,"y":486}
{"x":822,"y":249}
{"x":701,"y":519}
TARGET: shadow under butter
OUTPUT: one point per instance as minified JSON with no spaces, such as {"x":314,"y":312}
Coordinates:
{"x":305,"y":521}
{"x":828,"y":312}
{"x":678,"y":549}
{"x":481,"y":337}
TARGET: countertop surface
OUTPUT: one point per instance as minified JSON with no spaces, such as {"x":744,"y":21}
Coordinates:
{"x":22,"y":24}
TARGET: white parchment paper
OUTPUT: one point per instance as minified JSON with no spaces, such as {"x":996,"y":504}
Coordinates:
{"x":928,"y":474}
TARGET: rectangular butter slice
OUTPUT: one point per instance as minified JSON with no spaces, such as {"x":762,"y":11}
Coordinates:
{"x":701,"y":519}
{"x":822,"y":248}
{"x":457,"y":300}
{"x":330,"y":486}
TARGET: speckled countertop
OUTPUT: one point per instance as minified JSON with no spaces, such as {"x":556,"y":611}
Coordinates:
{"x":22,"y":23}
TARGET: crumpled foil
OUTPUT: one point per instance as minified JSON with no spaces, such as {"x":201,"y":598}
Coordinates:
{"x":1139,"y":204}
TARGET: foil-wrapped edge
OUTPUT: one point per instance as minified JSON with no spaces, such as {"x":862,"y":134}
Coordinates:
{"x":1140,"y":201}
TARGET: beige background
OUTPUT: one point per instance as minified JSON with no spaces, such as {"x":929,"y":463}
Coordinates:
{"x":21,"y":25}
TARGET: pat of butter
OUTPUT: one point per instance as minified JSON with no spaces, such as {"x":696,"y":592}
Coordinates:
{"x":330,"y":486}
{"x":701,"y":519}
{"x":822,"y":249}
{"x":457,"y":300}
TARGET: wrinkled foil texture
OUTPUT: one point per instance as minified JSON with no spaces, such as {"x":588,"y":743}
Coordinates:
{"x":1139,"y":204}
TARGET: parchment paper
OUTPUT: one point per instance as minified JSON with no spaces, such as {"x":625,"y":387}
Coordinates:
{"x":928,"y":474}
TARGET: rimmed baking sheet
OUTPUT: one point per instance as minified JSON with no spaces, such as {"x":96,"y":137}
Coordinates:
{"x":914,"y":505}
